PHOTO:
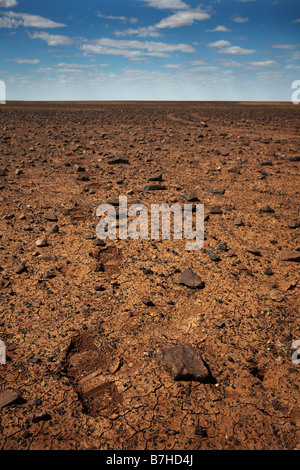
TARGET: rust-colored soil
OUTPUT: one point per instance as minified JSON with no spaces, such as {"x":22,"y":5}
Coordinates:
{"x":83,"y":322}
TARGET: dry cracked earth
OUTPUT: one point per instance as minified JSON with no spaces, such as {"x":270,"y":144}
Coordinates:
{"x":83,"y":320}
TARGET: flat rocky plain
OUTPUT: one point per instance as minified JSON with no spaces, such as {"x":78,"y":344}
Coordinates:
{"x":86,"y":322}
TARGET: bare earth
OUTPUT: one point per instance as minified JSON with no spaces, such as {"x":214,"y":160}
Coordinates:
{"x":83,"y":323}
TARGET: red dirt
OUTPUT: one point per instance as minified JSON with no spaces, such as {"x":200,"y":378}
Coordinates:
{"x":81,"y":341}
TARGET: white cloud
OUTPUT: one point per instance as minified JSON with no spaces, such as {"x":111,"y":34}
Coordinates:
{"x":283,"y":46}
{"x":133,"y":48}
{"x":142,"y":32}
{"x":225,"y":47}
{"x":206,"y":68}
{"x":166,"y":4}
{"x":183,"y":18}
{"x":12,"y":19}
{"x":53,"y":39}
{"x":25,"y":61}
{"x":239,"y":19}
{"x":197,"y":62}
{"x":263,"y":63}
{"x":8,"y":3}
{"x":292,"y":66}
{"x":219,"y":28}
{"x":124,"y":19}
{"x":297,"y":20}
{"x":220,"y":43}
{"x":236,"y":50}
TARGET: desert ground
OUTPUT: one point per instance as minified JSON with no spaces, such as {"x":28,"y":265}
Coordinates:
{"x":86,"y":322}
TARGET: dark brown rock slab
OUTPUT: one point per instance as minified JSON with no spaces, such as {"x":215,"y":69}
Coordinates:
{"x":191,"y":279}
{"x":183,"y":363}
{"x":292,"y":255}
{"x":8,"y":398}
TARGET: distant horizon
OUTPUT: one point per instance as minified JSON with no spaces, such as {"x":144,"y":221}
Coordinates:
{"x":146,"y":101}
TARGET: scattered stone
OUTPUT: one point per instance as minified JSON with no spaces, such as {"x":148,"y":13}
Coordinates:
{"x":113,"y":201}
{"x":276,"y":295}
{"x":293,"y":255}
{"x":99,"y":288}
{"x":191,"y":279}
{"x":295,"y":159}
{"x":200,"y":431}
{"x":147,"y":271}
{"x":78,"y":168}
{"x":21,"y":268}
{"x":191,"y":197}
{"x":157,"y":177}
{"x":215,"y":210}
{"x":54,"y":229}
{"x":183,"y":363}
{"x":219,"y":323}
{"x":43,"y":416}
{"x":234,"y":169}
{"x":51,"y":217}
{"x":238,"y":222}
{"x":148,"y":302}
{"x":266,"y":208}
{"x":218,"y":191}
{"x":8,"y":398}
{"x":254,"y":251}
{"x":115,"y":160}
{"x":154,"y":187}
{"x":213,"y":256}
{"x":41,"y":242}
{"x":294,"y":224}
{"x":269,"y":272}
{"x":223,"y":247}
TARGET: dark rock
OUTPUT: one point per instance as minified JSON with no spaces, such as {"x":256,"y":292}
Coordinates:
{"x":266,"y":208}
{"x":238,"y":222}
{"x":183,"y":363}
{"x":148,"y":302}
{"x":199,"y":431}
{"x":154,"y":187}
{"x":8,"y":398}
{"x":254,"y":251}
{"x":294,"y":159}
{"x":191,"y":197}
{"x":223,"y":247}
{"x":51,"y":217}
{"x":215,"y":210}
{"x":54,"y":229}
{"x":78,"y":168}
{"x":41,"y":417}
{"x":147,"y":271}
{"x":21,"y":268}
{"x":269,"y":272}
{"x":213,"y":256}
{"x":191,"y":279}
{"x":293,"y":255}
{"x":218,"y":191}
{"x":158,"y":177}
{"x":294,"y":224}
{"x":115,"y":160}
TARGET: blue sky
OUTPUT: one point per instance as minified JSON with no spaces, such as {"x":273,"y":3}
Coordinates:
{"x":246,"y":50}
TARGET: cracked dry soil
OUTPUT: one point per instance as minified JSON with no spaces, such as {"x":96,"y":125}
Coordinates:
{"x":81,"y":341}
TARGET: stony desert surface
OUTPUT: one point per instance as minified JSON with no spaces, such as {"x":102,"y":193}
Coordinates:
{"x":90,"y":325}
